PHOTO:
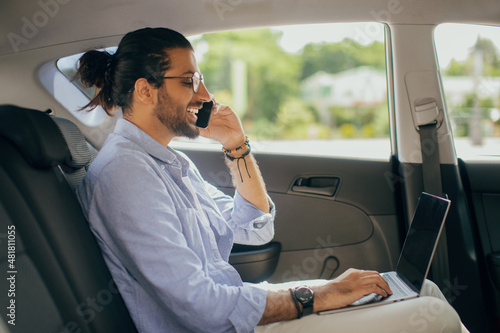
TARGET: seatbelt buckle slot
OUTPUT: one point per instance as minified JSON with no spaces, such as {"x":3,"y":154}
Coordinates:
{"x":426,"y":112}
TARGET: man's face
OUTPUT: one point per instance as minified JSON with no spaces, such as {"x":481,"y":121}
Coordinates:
{"x":177,"y":102}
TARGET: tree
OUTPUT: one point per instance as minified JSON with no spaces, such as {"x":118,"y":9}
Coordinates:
{"x":338,"y":57}
{"x":272,"y":77}
{"x":272,"y":73}
{"x":463,"y":113}
{"x":491,"y":60}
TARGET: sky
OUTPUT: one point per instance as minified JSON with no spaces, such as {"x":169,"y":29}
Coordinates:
{"x":295,"y":37}
{"x":453,"y":41}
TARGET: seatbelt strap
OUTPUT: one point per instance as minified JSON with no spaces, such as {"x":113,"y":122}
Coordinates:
{"x":431,"y":171}
{"x":431,"y":167}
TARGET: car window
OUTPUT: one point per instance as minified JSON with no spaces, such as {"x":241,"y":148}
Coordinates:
{"x":68,"y":67}
{"x":469,"y":60}
{"x":58,"y":78}
{"x":306,"y":90}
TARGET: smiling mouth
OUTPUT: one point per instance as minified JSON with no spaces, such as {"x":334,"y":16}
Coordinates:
{"x":193,"y":111}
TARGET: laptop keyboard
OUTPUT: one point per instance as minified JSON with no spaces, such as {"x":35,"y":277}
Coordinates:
{"x":370,"y":298}
{"x":398,"y":288}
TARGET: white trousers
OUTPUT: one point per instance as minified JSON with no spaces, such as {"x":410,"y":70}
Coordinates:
{"x":428,"y":313}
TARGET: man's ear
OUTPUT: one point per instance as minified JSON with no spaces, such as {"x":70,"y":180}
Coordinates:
{"x":145,"y":92}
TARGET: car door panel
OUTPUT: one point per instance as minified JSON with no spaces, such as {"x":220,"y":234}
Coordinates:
{"x":324,"y":186}
{"x":483,"y":179}
{"x":491,"y":210}
{"x":304,"y":219}
{"x":255,"y":263}
{"x":322,"y":235}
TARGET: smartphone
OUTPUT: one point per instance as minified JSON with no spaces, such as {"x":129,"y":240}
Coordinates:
{"x":204,"y":114}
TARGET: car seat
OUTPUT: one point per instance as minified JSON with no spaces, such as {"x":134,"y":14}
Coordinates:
{"x":58,"y":277}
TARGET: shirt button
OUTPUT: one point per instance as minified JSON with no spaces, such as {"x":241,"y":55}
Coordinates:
{"x":162,"y":166}
{"x":215,"y":254}
{"x":258,"y":225}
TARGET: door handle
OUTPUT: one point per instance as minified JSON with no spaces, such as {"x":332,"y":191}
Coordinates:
{"x":326,"y":186}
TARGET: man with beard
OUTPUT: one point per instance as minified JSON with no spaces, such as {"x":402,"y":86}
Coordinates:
{"x":166,"y":234}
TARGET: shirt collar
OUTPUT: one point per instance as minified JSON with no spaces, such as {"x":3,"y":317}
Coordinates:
{"x":133,"y":133}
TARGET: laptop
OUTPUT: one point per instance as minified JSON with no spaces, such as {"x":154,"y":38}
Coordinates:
{"x":416,"y":256}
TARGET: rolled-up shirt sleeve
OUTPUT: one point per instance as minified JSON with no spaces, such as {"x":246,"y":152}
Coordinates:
{"x":137,"y":225}
{"x":250,"y":225}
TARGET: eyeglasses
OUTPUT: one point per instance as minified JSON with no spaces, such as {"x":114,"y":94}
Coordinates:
{"x":195,"y":80}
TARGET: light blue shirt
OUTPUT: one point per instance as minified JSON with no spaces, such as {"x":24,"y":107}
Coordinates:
{"x":168,"y":249}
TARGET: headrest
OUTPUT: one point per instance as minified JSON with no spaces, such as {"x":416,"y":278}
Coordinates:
{"x":80,"y":154}
{"x":34,"y":133}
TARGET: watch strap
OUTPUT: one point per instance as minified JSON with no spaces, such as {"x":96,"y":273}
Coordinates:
{"x":296,"y":301}
{"x":307,"y":302}
{"x":308,"y":309}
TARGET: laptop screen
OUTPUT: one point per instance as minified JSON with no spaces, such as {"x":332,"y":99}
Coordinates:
{"x":421,"y":241}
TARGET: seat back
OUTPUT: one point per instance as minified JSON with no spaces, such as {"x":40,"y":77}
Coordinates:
{"x":60,"y":281}
{"x":80,"y":153}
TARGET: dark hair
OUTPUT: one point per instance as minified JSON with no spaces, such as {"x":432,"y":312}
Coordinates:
{"x":140,"y":54}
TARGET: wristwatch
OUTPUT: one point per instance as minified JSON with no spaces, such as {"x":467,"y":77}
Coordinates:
{"x":305,"y":296}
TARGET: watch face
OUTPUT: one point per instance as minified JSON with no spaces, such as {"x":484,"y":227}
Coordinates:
{"x":304,"y":294}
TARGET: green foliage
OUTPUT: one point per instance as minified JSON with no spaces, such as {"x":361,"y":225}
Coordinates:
{"x":490,"y":60}
{"x":361,"y":121}
{"x":347,"y":130}
{"x":272,"y":72}
{"x":463,"y":113}
{"x":296,"y":120}
{"x":456,"y":69}
{"x":339,"y":57}
{"x":273,"y":78}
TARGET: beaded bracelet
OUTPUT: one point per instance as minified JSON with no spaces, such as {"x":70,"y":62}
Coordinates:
{"x":242,"y":157}
{"x":232,"y":151}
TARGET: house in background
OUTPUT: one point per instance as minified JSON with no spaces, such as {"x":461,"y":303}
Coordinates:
{"x":367,"y":86}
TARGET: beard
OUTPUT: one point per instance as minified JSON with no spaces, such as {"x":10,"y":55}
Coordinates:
{"x":174,"y":117}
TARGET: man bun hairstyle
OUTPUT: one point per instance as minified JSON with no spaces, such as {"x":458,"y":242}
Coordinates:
{"x":141,"y":54}
{"x":94,"y":71}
